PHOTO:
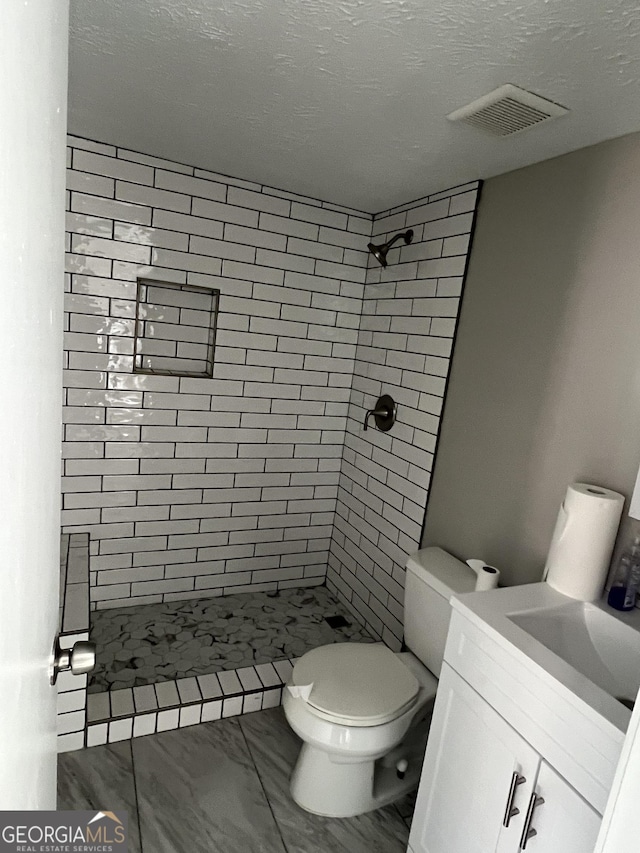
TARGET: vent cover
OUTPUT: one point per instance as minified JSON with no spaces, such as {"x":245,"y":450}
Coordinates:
{"x":507,"y":110}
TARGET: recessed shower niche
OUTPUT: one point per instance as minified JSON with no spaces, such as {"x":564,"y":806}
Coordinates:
{"x":175,"y":329}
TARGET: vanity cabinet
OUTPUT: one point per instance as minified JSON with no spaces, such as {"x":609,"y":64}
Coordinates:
{"x":485,"y":789}
{"x":565,"y":822}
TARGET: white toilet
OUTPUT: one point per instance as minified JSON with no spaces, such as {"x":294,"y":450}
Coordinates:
{"x":363,"y":711}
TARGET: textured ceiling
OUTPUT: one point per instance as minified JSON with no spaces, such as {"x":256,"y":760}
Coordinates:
{"x":345,"y":100}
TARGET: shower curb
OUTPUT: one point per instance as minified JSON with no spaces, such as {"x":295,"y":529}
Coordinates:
{"x":117,"y":715}
{"x":92,"y":719}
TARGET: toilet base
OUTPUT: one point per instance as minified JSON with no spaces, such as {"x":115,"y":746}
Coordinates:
{"x":324,"y":787}
{"x":333,"y":788}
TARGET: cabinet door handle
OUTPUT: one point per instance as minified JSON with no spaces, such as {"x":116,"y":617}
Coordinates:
{"x":527,"y":831}
{"x":510,"y":811}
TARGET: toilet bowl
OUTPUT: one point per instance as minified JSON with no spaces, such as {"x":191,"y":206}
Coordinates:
{"x":362,"y":711}
{"x":355,"y":740}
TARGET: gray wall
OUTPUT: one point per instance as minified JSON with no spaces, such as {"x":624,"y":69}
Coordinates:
{"x":545,"y":381}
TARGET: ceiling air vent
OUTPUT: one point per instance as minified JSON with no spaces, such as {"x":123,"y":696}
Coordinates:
{"x":507,"y":110}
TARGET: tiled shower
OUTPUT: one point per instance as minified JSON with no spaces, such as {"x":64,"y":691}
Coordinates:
{"x":258,"y":480}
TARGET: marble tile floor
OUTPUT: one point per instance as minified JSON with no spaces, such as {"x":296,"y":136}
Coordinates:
{"x":151,"y":643}
{"x":220,"y":787}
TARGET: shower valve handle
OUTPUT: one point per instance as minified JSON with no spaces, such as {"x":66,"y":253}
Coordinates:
{"x":384,"y":413}
{"x":381,"y":412}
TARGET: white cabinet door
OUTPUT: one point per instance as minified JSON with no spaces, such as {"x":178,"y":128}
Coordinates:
{"x":564,"y":823}
{"x":467,"y":775}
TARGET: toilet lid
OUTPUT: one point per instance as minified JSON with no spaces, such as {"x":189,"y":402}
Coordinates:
{"x":356,"y":683}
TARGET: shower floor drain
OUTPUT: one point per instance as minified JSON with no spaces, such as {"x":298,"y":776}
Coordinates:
{"x":337,"y":622}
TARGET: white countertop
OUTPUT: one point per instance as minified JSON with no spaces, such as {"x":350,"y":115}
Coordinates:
{"x":490,"y":611}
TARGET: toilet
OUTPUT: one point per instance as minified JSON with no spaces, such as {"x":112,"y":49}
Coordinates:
{"x":362,"y":711}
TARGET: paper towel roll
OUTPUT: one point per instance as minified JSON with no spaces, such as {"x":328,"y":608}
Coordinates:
{"x":583,"y":541}
{"x":487,"y":577}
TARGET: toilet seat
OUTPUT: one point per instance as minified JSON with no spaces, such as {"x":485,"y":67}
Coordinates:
{"x":354,"y":684}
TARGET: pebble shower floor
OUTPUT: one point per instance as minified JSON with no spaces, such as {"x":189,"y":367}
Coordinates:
{"x":160,"y":642}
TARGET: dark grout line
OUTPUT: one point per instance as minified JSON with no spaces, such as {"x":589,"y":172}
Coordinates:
{"x":264,"y":790}
{"x":135,"y":791}
{"x":405,"y":820}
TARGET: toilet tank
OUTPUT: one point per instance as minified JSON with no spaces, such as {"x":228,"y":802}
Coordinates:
{"x":433,"y":576}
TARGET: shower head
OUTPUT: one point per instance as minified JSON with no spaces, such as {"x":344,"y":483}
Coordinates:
{"x":380,"y":252}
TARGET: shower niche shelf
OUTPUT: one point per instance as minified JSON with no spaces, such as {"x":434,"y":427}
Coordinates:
{"x":175,"y":329}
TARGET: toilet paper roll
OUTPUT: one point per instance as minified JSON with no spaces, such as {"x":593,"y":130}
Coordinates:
{"x":583,"y":541}
{"x":487,"y":577}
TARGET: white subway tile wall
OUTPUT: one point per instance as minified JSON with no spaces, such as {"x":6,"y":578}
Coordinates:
{"x":73,"y":628}
{"x":192,"y":486}
{"x":404,"y":348}
{"x":260,"y":477}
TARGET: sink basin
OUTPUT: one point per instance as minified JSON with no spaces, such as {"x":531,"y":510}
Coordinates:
{"x":587,"y":651}
{"x":563,"y":673}
{"x":596,"y":643}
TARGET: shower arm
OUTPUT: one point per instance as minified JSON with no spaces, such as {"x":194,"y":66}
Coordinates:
{"x":390,"y":242}
{"x":380,"y":252}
